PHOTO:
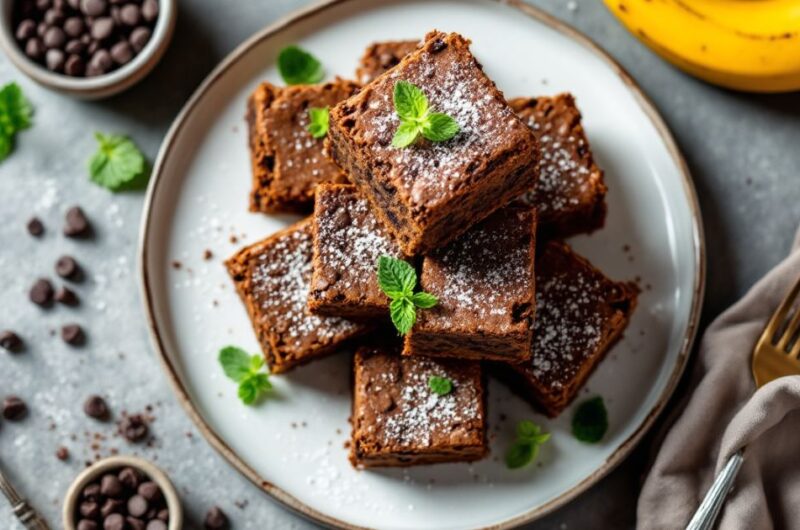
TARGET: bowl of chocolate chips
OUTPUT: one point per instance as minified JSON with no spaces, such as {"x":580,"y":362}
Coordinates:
{"x":122,"y":493}
{"x":90,"y":49}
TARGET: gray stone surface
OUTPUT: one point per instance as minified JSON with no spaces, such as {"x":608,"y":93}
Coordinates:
{"x":741,"y":148}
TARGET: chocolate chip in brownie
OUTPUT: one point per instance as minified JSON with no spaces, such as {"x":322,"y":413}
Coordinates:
{"x":35,"y":227}
{"x":11,"y":341}
{"x":73,"y":334}
{"x":14,"y":409}
{"x":97,"y":408}
{"x":41,"y":293}
{"x":67,"y":296}
{"x":216,"y":519}
{"x":76,"y":223}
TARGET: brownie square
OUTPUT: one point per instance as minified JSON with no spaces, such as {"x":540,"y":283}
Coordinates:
{"x":399,"y":421}
{"x":272,"y":277}
{"x":427,"y":194}
{"x":580,"y":314}
{"x":382,"y":56}
{"x":485,"y":284}
{"x":570,"y":193}
{"x":348,"y":240}
{"x":287,"y":161}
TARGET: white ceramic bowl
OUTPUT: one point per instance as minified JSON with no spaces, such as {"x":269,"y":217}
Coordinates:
{"x":117,"y":462}
{"x":92,"y":87}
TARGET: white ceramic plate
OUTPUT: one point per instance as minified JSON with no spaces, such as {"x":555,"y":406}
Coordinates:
{"x":292,"y":445}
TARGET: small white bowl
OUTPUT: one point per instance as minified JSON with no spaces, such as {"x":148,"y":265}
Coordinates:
{"x":92,"y":87}
{"x":100,"y":467}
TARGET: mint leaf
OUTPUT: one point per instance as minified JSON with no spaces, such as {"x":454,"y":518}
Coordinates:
{"x":403,"y":315}
{"x":247,"y":392}
{"x":424,"y":300}
{"x":440,"y":385}
{"x":525,"y":448}
{"x":590,"y":422}
{"x":235,"y":363}
{"x":410,"y":102}
{"x":319,"y":119}
{"x":5,"y":146}
{"x":396,"y":277}
{"x":439,"y":127}
{"x":298,"y":67}
{"x":15,"y":115}
{"x":406,"y":133}
{"x":117,"y":164}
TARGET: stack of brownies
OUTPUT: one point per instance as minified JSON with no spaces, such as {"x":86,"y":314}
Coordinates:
{"x":481,"y":217}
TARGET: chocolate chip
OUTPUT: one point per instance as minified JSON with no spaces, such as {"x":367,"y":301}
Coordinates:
{"x":54,"y":38}
{"x":102,"y":28}
{"x":11,"y":341}
{"x":14,"y":409}
{"x":155,"y":524}
{"x":150,"y":491}
{"x":438,"y":45}
{"x":75,"y":65}
{"x":54,"y":17}
{"x":139,"y":38}
{"x":73,"y":334}
{"x":97,"y":408}
{"x":93,"y":8}
{"x":67,"y":267}
{"x":137,"y":506}
{"x":86,"y":524}
{"x":91,"y":492}
{"x":112,"y":506}
{"x":43,"y":5}
{"x":26,"y":29}
{"x":135,"y":524}
{"x":134,"y":429}
{"x":34,"y":48}
{"x":35,"y":227}
{"x":216,"y":519}
{"x":66,"y":296}
{"x":163,"y":515}
{"x":101,"y":61}
{"x":77,"y":225}
{"x":129,"y":14}
{"x":130,"y":477}
{"x":150,"y":10}
{"x":54,"y":60}
{"x":74,"y":46}
{"x":74,"y":27}
{"x":62,"y":453}
{"x":89,"y":509}
{"x":110,"y":486}
{"x":114,"y":521}
{"x":41,"y":293}
{"x":122,"y":52}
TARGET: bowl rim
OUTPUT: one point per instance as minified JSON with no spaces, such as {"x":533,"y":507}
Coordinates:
{"x":39,"y":73}
{"x":121,"y":461}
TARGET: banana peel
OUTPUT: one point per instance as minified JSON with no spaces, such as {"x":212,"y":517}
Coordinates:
{"x":749,"y":45}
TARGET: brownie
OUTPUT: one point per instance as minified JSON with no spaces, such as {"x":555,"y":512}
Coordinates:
{"x":272,"y":277}
{"x":348,"y":240}
{"x":429,"y":193}
{"x":382,"y":56}
{"x":399,"y":421}
{"x":287,"y":161}
{"x":485,"y":285}
{"x":570,"y":193}
{"x":580,"y":313}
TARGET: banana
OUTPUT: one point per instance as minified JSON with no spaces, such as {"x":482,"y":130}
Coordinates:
{"x":750,"y":45}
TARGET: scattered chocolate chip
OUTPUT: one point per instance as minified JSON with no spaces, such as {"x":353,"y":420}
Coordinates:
{"x":114,"y":521}
{"x":111,"y":486}
{"x":134,"y":429}
{"x":14,"y":409}
{"x":97,"y":408}
{"x":11,"y":341}
{"x":35,"y":227}
{"x":41,"y":293}
{"x":216,"y":519}
{"x":62,"y":453}
{"x":67,"y":267}
{"x":67,"y":296}
{"x":77,"y":225}
{"x":86,"y":524}
{"x":149,"y":491}
{"x":156,"y":524}
{"x":207,"y":255}
{"x":73,"y":334}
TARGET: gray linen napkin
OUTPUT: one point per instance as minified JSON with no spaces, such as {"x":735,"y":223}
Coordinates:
{"x":725,"y":413}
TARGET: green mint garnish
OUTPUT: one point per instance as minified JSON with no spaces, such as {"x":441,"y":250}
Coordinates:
{"x":525,"y":448}
{"x":118,"y":164}
{"x":590,"y":422}
{"x":440,"y":385}
{"x":15,"y":115}
{"x":298,"y":67}
{"x":245,"y":369}
{"x":411,"y":105}
{"x":318,"y":122}
{"x":397,"y":279}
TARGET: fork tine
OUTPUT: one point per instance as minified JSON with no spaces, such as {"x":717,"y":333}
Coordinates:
{"x":779,"y":317}
{"x":790,"y":331}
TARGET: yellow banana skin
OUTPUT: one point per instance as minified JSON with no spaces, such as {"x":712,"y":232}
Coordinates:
{"x":750,"y":45}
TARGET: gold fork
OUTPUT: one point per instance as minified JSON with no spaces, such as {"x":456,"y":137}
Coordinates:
{"x":776,"y":354}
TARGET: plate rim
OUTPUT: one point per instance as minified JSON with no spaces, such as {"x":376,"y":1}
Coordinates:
{"x":291,"y":502}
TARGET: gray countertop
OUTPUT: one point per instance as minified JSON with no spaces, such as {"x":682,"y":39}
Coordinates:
{"x":742,"y":150}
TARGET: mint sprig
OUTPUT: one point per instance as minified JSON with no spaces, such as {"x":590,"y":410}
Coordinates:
{"x":441,"y":386}
{"x":245,"y":369}
{"x":397,"y":279}
{"x":298,"y":67}
{"x":416,"y":118}
{"x":525,"y":448}
{"x":318,"y":119}
{"x":117,"y":164}
{"x":590,"y":422}
{"x":15,"y":115}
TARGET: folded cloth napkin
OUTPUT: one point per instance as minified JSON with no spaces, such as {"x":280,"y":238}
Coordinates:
{"x":724,"y":413}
